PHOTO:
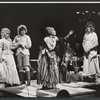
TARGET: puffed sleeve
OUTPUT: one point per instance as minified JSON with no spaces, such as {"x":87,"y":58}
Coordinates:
{"x":15,"y":43}
{"x":1,"y":44}
{"x":15,"y":40}
{"x":91,"y":44}
{"x":29,"y":43}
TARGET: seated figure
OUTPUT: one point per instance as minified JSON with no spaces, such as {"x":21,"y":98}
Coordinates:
{"x":76,"y":76}
{"x":68,"y":54}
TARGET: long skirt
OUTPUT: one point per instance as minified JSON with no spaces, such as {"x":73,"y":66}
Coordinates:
{"x":48,"y":74}
{"x":10,"y":70}
{"x":3,"y":71}
{"x":91,"y":64}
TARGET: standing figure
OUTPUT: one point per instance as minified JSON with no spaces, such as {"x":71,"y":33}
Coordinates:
{"x":6,"y":56}
{"x":23,"y":43}
{"x":90,"y":42}
{"x":48,"y":64}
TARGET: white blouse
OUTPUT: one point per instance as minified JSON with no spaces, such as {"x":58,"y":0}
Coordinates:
{"x":51,"y":42}
{"x":90,"y":41}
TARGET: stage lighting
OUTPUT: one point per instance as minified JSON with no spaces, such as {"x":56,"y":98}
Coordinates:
{"x":77,"y":12}
{"x":93,"y":12}
{"x":87,"y":11}
{"x":82,"y":13}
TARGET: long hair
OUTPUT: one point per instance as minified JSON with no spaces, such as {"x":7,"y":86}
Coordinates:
{"x":90,"y":25}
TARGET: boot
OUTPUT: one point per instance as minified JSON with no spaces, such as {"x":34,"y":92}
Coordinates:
{"x":28,"y":78}
{"x":21,"y":75}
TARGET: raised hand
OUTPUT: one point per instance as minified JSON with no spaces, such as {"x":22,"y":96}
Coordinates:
{"x":71,"y":32}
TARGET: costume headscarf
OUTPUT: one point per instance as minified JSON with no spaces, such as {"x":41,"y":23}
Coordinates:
{"x":50,"y":31}
{"x":51,"y":42}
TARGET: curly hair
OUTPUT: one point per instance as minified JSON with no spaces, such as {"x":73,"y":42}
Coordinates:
{"x":5,"y":31}
{"x":91,"y":25}
{"x":20,"y":28}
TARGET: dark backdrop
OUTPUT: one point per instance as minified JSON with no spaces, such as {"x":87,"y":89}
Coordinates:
{"x":38,"y":16}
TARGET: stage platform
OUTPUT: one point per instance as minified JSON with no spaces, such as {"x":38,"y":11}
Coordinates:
{"x":67,"y":92}
{"x":22,"y":91}
{"x":75,"y":90}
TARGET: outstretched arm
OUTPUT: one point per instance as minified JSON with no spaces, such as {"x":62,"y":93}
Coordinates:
{"x":70,"y":33}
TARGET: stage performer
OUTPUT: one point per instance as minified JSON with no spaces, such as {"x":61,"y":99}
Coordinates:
{"x":76,"y":76}
{"x":8,"y":66}
{"x":90,"y":43}
{"x":47,"y":65}
{"x":23,"y":43}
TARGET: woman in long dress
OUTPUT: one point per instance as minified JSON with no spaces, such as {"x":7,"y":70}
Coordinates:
{"x":90,"y":42}
{"x":47,"y":65}
{"x":6,"y":57}
{"x":48,"y":70}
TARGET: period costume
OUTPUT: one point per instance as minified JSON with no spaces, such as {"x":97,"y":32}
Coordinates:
{"x":23,"y":44}
{"x":48,"y":74}
{"x":8,"y":66}
{"x":90,"y":64}
{"x":50,"y":58}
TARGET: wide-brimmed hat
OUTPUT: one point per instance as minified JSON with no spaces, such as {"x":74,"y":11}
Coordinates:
{"x":50,"y":31}
{"x":22,"y":27}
